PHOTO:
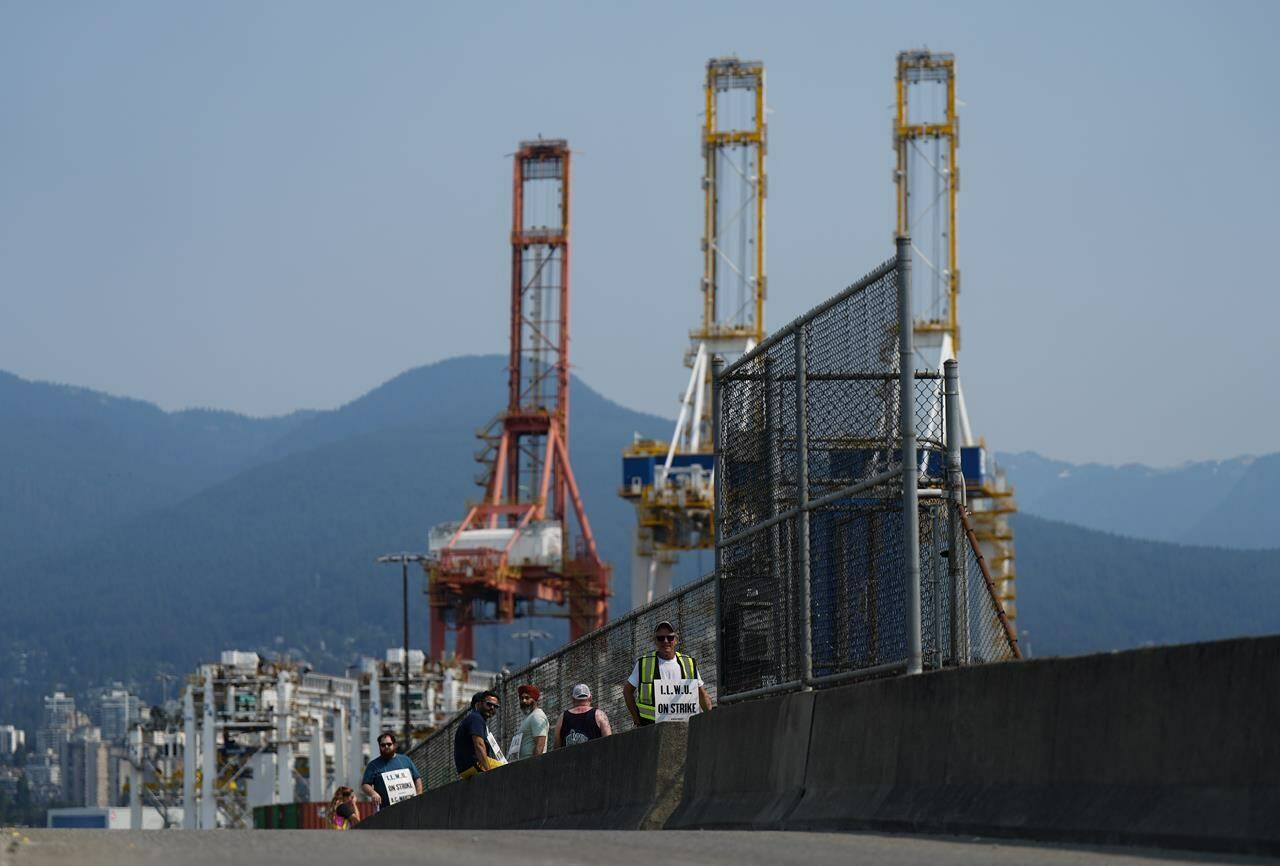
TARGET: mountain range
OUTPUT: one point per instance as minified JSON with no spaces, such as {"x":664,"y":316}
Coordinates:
{"x":135,"y":541}
{"x":1223,"y":503}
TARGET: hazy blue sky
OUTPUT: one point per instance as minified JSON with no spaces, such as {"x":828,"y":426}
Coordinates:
{"x":266,"y":206}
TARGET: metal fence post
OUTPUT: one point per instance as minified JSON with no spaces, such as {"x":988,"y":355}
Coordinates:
{"x":784,"y":653}
{"x":717,"y":435}
{"x":956,"y":560}
{"x":802,"y":501}
{"x":910,"y":471}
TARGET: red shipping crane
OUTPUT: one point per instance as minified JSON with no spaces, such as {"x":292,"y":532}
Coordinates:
{"x":512,"y":555}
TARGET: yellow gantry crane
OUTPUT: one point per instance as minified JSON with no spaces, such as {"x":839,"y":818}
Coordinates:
{"x":926,"y":138}
{"x":672,"y":484}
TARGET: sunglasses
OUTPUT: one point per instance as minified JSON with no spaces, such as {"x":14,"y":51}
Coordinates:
{"x":665,"y":638}
{"x":491,"y":705}
{"x":390,"y":744}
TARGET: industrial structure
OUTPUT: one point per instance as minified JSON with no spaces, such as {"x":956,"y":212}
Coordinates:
{"x":926,"y":135}
{"x":512,"y":554}
{"x":671,"y":484}
{"x":253,"y":732}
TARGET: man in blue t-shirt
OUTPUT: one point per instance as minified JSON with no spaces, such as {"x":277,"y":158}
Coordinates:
{"x":390,"y":778}
{"x":474,"y":748}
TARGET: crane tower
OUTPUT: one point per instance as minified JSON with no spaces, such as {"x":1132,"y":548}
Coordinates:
{"x":511,"y":555}
{"x":927,"y":178}
{"x":671,"y":484}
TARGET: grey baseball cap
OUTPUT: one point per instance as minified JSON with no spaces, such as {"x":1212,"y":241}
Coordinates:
{"x":581,"y":691}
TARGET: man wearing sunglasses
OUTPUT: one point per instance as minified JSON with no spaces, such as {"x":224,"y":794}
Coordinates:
{"x":390,"y":778}
{"x":664,"y":663}
{"x":475,"y":749}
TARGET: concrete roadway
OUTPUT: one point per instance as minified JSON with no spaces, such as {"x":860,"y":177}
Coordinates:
{"x":549,"y":847}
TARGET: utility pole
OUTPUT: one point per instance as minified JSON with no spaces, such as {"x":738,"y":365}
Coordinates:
{"x":404,"y":559}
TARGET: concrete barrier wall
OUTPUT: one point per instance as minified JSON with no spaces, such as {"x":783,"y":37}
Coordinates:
{"x":1171,"y":746}
{"x":746,"y":764}
{"x":630,"y":781}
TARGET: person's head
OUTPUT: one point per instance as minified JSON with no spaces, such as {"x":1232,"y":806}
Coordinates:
{"x":386,"y":744}
{"x":529,"y":697}
{"x":581,"y":695}
{"x":486,"y":702}
{"x":665,"y":639}
{"x":343,"y":794}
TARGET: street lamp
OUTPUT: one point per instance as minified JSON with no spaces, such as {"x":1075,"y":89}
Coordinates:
{"x":532,"y":635}
{"x":404,"y":559}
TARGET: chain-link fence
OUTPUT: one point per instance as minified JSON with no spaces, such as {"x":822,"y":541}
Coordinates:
{"x":834,"y":556}
{"x":602,"y":659}
{"x":825,"y":574}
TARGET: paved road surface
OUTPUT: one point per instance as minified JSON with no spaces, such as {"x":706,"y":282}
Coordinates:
{"x":549,"y":847}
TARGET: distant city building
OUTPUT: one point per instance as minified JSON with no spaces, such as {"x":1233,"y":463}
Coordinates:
{"x":11,"y":739}
{"x":44,"y":775}
{"x":87,"y":771}
{"x":118,"y":712}
{"x":9,"y":777}
{"x":60,"y":719}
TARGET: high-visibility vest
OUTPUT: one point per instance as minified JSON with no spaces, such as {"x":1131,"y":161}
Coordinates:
{"x":649,"y":671}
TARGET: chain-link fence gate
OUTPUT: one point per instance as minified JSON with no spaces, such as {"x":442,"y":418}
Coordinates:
{"x":838,"y":504}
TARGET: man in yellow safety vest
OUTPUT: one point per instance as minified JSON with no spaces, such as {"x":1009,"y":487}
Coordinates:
{"x":664,"y":663}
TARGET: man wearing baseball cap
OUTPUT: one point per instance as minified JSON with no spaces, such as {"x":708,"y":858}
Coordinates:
{"x":581,"y":722}
{"x":664,"y":663}
{"x":531,"y":739}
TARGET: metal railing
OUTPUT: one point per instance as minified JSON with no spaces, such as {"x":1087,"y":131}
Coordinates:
{"x":602,"y":659}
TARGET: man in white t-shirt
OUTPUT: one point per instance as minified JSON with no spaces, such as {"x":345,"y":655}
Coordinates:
{"x":664,"y":663}
{"x":531,"y":738}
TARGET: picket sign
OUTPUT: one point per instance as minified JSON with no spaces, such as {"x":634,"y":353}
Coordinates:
{"x":495,"y":748}
{"x":399,"y":785}
{"x":675,"y":700}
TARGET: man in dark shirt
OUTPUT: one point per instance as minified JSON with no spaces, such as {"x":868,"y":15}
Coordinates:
{"x":474,"y":749}
{"x":390,"y":769}
{"x":581,"y":722}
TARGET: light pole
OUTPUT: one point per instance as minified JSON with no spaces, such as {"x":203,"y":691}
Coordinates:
{"x":404,"y":559}
{"x":532,"y":635}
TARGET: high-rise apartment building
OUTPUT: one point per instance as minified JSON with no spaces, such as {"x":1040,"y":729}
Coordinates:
{"x":86,"y":769}
{"x":58,"y":722}
{"x":118,"y":712}
{"x":11,"y":739}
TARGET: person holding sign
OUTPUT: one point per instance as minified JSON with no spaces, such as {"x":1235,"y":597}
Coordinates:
{"x":664,"y":685}
{"x":475,"y":749}
{"x":390,"y":778}
{"x":531,"y":739}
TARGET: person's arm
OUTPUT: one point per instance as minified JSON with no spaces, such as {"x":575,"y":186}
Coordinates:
{"x":704,"y":700}
{"x":540,"y":734}
{"x":417,"y":783}
{"x":355,"y":815}
{"x":417,"y":778}
{"x":371,"y":793}
{"x":629,"y":695}
{"x":602,"y":721}
{"x":559,"y":725}
{"x":479,"y":746}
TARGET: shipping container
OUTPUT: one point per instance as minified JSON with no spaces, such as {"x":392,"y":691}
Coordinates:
{"x":300,"y":816}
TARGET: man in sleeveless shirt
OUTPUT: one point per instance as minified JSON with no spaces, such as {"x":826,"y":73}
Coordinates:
{"x":581,"y":722}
